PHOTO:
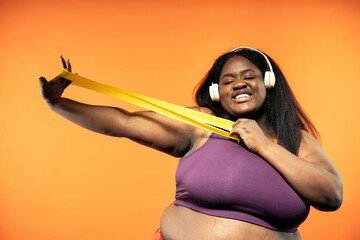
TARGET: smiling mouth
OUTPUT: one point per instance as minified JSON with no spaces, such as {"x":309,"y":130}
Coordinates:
{"x":244,"y":97}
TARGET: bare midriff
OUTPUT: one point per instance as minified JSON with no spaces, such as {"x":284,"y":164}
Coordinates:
{"x":181,"y":223}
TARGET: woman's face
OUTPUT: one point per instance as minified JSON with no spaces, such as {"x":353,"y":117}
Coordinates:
{"x":242,"y":89}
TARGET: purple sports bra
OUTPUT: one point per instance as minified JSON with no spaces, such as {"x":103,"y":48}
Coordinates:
{"x":224,"y":179}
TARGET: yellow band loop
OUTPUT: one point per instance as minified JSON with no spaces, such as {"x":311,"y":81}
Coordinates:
{"x":212,"y":123}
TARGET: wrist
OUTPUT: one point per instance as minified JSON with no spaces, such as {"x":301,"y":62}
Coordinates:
{"x":52,"y":102}
{"x":265,"y":146}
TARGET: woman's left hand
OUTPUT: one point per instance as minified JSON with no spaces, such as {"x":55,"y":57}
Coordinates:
{"x":250,"y":133}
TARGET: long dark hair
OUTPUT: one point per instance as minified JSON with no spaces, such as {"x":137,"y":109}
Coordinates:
{"x":283,"y":112}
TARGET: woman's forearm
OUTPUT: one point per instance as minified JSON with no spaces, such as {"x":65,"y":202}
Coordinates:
{"x":319,"y":183}
{"x":101,"y":119}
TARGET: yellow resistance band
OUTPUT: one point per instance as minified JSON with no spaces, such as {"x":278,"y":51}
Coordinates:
{"x":215,"y":124}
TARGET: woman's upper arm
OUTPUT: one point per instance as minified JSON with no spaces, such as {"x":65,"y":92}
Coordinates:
{"x":156,"y":131}
{"x":311,"y":151}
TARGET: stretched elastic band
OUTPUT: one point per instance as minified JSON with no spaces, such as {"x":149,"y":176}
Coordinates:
{"x":212,"y":123}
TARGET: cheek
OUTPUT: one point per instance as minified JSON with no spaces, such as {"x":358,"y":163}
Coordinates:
{"x":261,"y":90}
{"x":224,"y":98}
{"x":223,"y":91}
{"x":263,"y":94}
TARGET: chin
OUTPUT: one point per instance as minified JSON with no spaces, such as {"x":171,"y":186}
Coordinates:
{"x":251,"y":114}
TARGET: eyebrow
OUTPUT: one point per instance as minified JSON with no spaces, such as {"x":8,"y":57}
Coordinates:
{"x":241,"y":72}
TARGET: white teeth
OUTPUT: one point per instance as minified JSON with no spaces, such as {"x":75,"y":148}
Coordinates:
{"x":242,"y":95}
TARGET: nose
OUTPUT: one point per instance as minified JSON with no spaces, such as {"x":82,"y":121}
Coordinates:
{"x":239,"y":84}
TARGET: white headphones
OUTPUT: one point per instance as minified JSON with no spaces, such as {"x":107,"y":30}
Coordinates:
{"x":269,"y":76}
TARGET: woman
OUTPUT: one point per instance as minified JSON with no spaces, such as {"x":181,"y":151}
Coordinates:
{"x":260,"y":187}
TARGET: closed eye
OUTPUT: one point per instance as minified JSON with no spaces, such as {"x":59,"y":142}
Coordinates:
{"x":228,"y":82}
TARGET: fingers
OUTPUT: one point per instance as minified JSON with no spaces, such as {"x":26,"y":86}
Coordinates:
{"x":242,"y":120}
{"x":239,"y":124}
{"x":68,"y":65}
{"x":65,"y":64}
{"x":65,"y":82}
{"x":68,"y":82}
{"x":241,"y":127}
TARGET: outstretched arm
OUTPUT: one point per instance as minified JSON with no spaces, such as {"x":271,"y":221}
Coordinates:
{"x":148,"y":128}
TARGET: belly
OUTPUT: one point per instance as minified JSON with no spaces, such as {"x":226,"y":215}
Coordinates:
{"x":179,"y":223}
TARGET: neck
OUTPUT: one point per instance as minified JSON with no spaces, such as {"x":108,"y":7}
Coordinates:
{"x":268,"y":131}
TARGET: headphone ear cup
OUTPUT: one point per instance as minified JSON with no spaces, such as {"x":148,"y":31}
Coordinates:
{"x":214,"y":92}
{"x":269,"y":79}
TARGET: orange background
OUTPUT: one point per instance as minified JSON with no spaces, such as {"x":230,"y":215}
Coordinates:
{"x":59,"y":181}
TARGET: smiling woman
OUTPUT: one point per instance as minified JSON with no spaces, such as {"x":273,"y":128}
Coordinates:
{"x":258,"y":188}
{"x":236,"y":98}
{"x":279,"y":110}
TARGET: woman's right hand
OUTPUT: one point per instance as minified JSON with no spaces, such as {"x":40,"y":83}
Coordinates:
{"x":51,"y":91}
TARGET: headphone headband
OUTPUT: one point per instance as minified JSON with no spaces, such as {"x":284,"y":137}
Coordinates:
{"x":255,"y":50}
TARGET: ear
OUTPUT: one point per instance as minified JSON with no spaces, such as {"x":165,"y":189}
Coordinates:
{"x":214,"y":92}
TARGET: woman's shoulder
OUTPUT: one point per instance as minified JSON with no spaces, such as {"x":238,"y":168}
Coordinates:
{"x":199,"y":135}
{"x":308,"y":139}
{"x":310,"y":148}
